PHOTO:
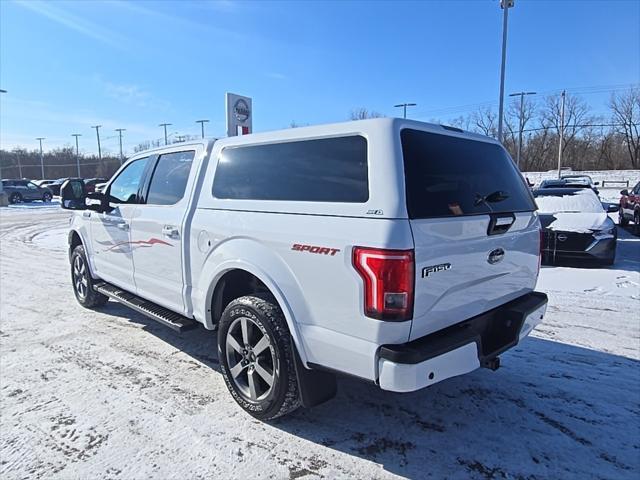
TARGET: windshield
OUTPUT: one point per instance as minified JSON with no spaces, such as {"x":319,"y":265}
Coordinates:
{"x":451,"y":176}
{"x":578,"y":201}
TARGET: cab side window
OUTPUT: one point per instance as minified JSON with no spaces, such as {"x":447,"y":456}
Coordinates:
{"x":169,"y":178}
{"x":124,"y":189}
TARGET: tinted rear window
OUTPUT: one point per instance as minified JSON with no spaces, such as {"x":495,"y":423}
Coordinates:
{"x":449,"y":176}
{"x":323,"y":170}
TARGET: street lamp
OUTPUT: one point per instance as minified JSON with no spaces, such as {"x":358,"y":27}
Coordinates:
{"x":404,"y":108}
{"x":202,"y":122}
{"x":521,"y":94}
{"x":505,"y":5}
{"x":41,"y":159}
{"x":165,"y":125}
{"x":77,"y":151}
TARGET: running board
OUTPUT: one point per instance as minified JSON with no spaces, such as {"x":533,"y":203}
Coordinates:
{"x":173,"y":320}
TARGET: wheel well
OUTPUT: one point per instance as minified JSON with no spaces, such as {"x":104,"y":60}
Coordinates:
{"x":74,"y":241}
{"x":234,"y":284}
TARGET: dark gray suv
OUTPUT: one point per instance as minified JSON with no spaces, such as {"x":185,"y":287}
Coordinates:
{"x":25,"y":190}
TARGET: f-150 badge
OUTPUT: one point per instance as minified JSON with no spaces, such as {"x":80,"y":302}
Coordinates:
{"x":426,"y":271}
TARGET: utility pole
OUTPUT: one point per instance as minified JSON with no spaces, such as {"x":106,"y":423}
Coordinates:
{"x":521,"y":94}
{"x":561,"y":134}
{"x":41,"y":160}
{"x":120,"y":130}
{"x":165,"y":125}
{"x":77,"y":152}
{"x":97,"y":127}
{"x":202,"y":122}
{"x":505,"y":5}
{"x":404,"y":108}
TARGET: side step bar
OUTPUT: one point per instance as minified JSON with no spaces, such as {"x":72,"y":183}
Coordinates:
{"x":173,"y":320}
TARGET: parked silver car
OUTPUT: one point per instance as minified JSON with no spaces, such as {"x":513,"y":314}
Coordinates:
{"x":18,"y":191}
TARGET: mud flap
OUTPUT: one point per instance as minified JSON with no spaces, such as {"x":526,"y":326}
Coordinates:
{"x":316,"y":386}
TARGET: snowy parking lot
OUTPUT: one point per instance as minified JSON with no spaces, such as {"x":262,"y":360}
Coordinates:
{"x":111,"y":394}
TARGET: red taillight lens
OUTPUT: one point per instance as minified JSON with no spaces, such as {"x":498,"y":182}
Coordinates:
{"x":388,"y":282}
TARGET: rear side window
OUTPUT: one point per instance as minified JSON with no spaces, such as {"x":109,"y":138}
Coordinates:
{"x":450,"y":176}
{"x":322,"y":170}
{"x":169,"y":178}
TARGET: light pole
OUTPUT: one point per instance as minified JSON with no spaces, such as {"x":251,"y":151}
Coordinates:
{"x":77,"y":152}
{"x":1,"y":192}
{"x":202,"y":122}
{"x":97,"y":127}
{"x":521,"y":94}
{"x":165,"y":125}
{"x":120,"y":130}
{"x":505,"y":5}
{"x":561,"y":134}
{"x":404,"y":108}
{"x":41,"y":159}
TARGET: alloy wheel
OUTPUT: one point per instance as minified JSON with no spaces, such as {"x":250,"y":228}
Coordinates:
{"x":80,"y":279}
{"x":251,"y":359}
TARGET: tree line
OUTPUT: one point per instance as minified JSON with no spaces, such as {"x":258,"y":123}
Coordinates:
{"x":591,"y":142}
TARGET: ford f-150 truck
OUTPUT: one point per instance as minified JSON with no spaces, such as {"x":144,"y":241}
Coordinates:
{"x":399,"y":252}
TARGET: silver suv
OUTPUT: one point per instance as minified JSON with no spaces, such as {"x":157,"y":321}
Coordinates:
{"x":19,"y":191}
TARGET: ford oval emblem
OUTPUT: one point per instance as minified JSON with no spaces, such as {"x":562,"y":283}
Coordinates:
{"x":562,"y":237}
{"x":495,"y":256}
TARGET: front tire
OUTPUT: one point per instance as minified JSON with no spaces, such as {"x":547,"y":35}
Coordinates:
{"x":82,"y":281}
{"x":256,"y":357}
{"x":46,"y":197}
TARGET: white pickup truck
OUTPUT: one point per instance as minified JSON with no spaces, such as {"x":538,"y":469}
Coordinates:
{"x":399,"y":252}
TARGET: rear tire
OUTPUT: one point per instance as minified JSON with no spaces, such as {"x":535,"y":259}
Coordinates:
{"x":15,"y":198}
{"x":82,"y":281}
{"x":622,"y":220}
{"x":256,"y":357}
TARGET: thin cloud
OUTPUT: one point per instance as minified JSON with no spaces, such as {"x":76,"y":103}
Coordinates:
{"x":73,"y":22}
{"x":276,"y":76}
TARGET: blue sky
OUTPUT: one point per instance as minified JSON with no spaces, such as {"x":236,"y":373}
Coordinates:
{"x":69,"y":65}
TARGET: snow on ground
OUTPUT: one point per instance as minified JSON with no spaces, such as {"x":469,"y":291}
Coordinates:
{"x":111,"y":394}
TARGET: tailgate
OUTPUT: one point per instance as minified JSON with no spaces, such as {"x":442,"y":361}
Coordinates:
{"x":461,"y":271}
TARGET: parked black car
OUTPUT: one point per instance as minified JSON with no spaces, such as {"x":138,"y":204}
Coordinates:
{"x":19,"y":191}
{"x":576,"y":225}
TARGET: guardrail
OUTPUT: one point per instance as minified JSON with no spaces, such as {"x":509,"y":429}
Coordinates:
{"x":619,"y":183}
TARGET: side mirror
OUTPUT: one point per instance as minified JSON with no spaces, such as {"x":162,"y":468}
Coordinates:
{"x":103,"y":206}
{"x":624,"y":192}
{"x":610,"y":207}
{"x":73,"y":195}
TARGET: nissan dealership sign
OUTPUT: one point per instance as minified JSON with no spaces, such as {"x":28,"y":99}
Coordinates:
{"x":239,"y":115}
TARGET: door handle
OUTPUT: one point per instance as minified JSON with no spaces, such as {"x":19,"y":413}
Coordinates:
{"x":86,"y":214}
{"x":123,"y":226}
{"x":170,"y":231}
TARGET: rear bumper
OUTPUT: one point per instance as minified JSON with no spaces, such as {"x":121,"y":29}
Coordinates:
{"x":461,"y":348}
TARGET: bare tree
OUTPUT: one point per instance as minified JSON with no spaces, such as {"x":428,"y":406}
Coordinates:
{"x":485,"y":121}
{"x":576,"y":115}
{"x":362,"y":113}
{"x":626,"y":114}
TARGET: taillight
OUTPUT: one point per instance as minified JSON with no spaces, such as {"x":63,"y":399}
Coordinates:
{"x":388,"y":282}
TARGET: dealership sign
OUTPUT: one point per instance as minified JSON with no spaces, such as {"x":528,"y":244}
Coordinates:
{"x":239,"y":115}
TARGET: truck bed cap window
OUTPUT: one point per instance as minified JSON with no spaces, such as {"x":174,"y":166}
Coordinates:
{"x":319,"y":170}
{"x":450,"y":176}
